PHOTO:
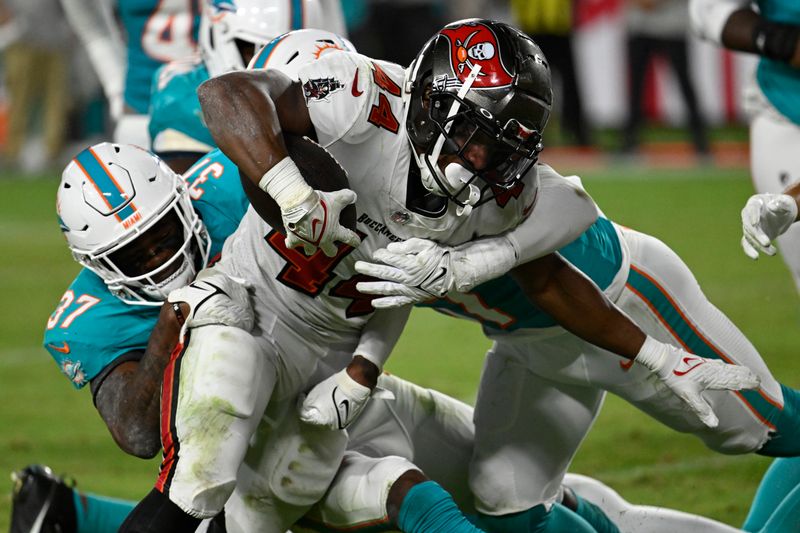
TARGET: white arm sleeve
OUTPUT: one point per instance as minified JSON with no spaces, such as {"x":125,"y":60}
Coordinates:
{"x":708,"y":17}
{"x":380,"y":334}
{"x":563,"y":211}
{"x":93,"y":22}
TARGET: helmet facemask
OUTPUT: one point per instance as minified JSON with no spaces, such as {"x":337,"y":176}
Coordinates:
{"x":129,"y":218}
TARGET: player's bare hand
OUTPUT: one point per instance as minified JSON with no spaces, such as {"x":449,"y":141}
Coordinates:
{"x":688,"y":375}
{"x":764,"y":217}
{"x":314,"y":223}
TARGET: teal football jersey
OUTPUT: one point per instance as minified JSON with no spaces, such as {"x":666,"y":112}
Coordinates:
{"x":157,"y":32}
{"x":500,"y":306}
{"x":174,"y":104}
{"x":779,"y":81}
{"x":91,"y":328}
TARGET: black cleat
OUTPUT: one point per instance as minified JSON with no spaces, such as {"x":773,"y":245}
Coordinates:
{"x":41,"y":502}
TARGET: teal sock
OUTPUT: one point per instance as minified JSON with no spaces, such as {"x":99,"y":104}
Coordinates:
{"x":537,"y":520}
{"x":786,"y":515}
{"x":99,"y":514}
{"x":595,"y":516}
{"x":428,"y":507}
{"x":782,"y":476}
{"x":786,"y":440}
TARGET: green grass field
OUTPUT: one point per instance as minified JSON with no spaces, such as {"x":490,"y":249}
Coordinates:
{"x":42,"y":419}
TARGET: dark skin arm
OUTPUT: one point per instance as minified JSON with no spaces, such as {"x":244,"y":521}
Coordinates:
{"x":129,"y":398}
{"x":578,"y":305}
{"x":247,"y":112}
{"x":737,"y":34}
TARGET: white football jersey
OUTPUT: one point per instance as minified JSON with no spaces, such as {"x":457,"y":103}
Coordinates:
{"x":356,"y":107}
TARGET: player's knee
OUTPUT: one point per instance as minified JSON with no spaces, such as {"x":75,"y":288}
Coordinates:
{"x":206,"y":501}
{"x":226,"y":370}
{"x":363,"y":489}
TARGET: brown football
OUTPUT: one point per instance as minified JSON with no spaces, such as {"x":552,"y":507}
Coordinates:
{"x":319,"y":168}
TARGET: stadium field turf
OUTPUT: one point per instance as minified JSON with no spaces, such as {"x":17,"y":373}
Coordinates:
{"x":696,"y":211}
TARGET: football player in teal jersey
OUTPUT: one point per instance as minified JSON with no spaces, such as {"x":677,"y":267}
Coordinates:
{"x":230,"y":34}
{"x":770,"y":29}
{"x":152,"y":33}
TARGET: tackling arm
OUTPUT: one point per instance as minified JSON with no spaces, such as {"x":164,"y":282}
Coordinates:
{"x":581,"y":308}
{"x":128,"y":398}
{"x":578,"y":305}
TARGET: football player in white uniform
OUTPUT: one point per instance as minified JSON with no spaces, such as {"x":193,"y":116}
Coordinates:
{"x":770,"y":29}
{"x":476,"y":100}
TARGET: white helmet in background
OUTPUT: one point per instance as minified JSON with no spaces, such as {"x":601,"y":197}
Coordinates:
{"x":289,"y":52}
{"x":128,"y":218}
{"x":227,"y":26}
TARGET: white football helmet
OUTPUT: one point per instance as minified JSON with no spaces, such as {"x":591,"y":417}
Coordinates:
{"x":291,"y":51}
{"x":226,"y":24}
{"x":110,"y":195}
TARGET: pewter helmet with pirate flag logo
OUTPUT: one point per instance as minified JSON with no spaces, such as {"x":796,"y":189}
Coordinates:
{"x":478,"y":86}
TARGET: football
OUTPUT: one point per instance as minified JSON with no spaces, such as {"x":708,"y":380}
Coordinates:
{"x":319,"y":168}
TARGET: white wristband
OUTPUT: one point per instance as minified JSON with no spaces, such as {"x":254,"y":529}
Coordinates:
{"x":284,"y":183}
{"x":653,"y":354}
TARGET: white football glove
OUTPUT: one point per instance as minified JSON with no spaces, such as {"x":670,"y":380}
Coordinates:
{"x":314,"y":223}
{"x":688,"y":375}
{"x":334,"y":402}
{"x":764,"y":217}
{"x":215,"y":298}
{"x":418,"y":269}
{"x":414,"y":271}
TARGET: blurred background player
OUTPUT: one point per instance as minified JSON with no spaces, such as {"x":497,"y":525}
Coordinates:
{"x":36,"y":52}
{"x":773,"y":32}
{"x":659,"y":28}
{"x":230,"y":35}
{"x":125,"y":55}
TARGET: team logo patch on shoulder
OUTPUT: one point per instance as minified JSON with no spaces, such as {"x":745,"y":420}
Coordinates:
{"x":319,"y":89}
{"x":476,"y":43}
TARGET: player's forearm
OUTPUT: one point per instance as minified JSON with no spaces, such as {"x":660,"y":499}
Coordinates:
{"x":578,"y":305}
{"x":746,"y":31}
{"x":240,"y":113}
{"x":378,"y":339}
{"x":129,"y":398}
